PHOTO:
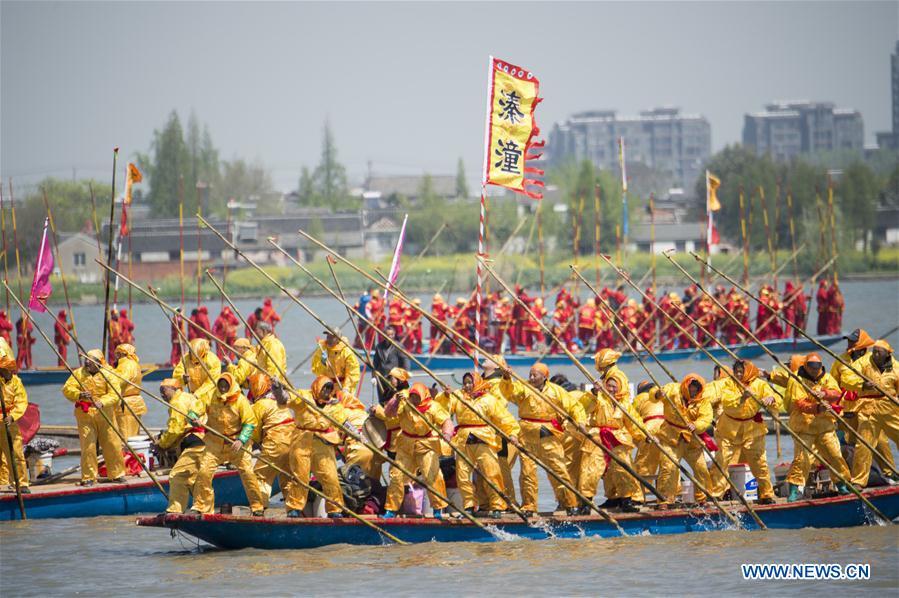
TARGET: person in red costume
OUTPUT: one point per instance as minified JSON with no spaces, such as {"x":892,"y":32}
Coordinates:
{"x":822,"y":301}
{"x":413,"y":327}
{"x":440,"y":311}
{"x":24,"y":340}
{"x":835,"y":305}
{"x":532,"y":332}
{"x":176,"y":340}
{"x":269,"y":314}
{"x":61,"y":336}
{"x":646,"y":319}
{"x":586,"y":323}
{"x":520,"y":318}
{"x":5,"y":327}
{"x":225,"y":332}
{"x":203,"y":321}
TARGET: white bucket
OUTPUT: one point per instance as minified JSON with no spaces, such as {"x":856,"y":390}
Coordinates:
{"x":38,"y":464}
{"x":687,"y":492}
{"x":141,"y":446}
{"x":742,"y":478}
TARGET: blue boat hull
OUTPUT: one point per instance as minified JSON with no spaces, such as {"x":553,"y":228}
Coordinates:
{"x":233,"y":532}
{"x":111,"y":499}
{"x":745,"y":351}
{"x":60,"y":375}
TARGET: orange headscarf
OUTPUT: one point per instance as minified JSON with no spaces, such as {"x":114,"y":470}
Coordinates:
{"x":864,"y":341}
{"x":796,"y":362}
{"x":8,"y":363}
{"x":685,"y":387}
{"x":260,"y":383}
{"x":233,"y":389}
{"x":605,"y":358}
{"x":479,"y":386}
{"x":882,"y":344}
{"x":541,"y":368}
{"x":750,"y":372}
{"x":424,"y":393}
{"x":317,"y":385}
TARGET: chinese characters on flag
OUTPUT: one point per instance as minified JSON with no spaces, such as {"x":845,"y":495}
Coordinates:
{"x":512,"y":129}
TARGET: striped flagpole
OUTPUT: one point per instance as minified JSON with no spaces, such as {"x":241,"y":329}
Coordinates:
{"x":482,"y":253}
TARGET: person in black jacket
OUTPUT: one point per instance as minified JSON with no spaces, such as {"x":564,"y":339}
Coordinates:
{"x":387,"y":357}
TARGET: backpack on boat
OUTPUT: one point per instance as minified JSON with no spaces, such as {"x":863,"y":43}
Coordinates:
{"x":355,"y":486}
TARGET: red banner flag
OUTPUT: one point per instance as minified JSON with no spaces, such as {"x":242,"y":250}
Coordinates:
{"x":40,"y":286}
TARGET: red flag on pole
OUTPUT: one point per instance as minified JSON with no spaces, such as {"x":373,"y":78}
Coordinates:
{"x":40,"y":286}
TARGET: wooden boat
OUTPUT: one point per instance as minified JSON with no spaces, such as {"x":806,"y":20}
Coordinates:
{"x":235,"y":532}
{"x":745,"y":351}
{"x":136,"y":495}
{"x":59,"y":374}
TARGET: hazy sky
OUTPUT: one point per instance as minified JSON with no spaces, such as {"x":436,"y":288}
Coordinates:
{"x":403,"y":83}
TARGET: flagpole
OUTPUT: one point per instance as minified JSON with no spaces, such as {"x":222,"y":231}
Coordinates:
{"x":199,"y":246}
{"x":597,"y":222}
{"x":652,"y":239}
{"x":482,"y":226}
{"x":541,"y":250}
{"x":833,"y":226}
{"x":792,"y":233}
{"x":181,"y":234}
{"x":744,"y":232}
{"x":115,"y":155}
{"x":3,"y":232}
{"x":62,"y":274}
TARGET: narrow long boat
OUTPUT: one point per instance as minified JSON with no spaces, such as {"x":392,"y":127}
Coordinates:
{"x":136,"y":495}
{"x":58,"y":375}
{"x":743,"y":350}
{"x":235,"y":532}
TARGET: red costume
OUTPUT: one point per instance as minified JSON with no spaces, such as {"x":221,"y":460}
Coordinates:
{"x":61,"y":337}
{"x":413,"y":326}
{"x":822,"y":299}
{"x":835,"y":306}
{"x":586,"y":322}
{"x":531,"y":330}
{"x":5,"y":327}
{"x":269,"y":314}
{"x":375,"y":311}
{"x":225,"y":332}
{"x":440,"y":310}
{"x":25,"y":341}
{"x":126,"y":328}
{"x":177,"y":324}
{"x":203,"y":321}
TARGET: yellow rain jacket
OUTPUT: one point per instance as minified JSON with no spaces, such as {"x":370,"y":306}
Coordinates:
{"x":804,"y":416}
{"x":651,"y":409}
{"x":199,"y":383}
{"x":231,"y":413}
{"x":243,"y":369}
{"x":309,"y":419}
{"x":14,"y":397}
{"x":178,"y":425}
{"x":737,"y":412}
{"x":698,"y":412}
{"x":534,"y":410}
{"x":869,"y":397}
{"x":341,"y":363}
{"x":276,"y":365}
{"x":95,"y":384}
{"x":471,"y":423}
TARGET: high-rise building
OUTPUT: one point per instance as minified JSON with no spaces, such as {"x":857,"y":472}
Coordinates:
{"x":787,"y":129}
{"x":661,"y":138}
{"x":890,"y":139}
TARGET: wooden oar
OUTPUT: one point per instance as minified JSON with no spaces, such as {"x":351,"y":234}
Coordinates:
{"x":790,"y":372}
{"x":460,"y":454}
{"x":745,"y":388}
{"x":813,"y":340}
{"x":612,"y":316}
{"x":13,"y":467}
{"x":102,"y":413}
{"x":627,"y":414}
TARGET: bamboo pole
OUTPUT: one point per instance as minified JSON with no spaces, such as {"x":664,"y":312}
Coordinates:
{"x":115,"y":155}
{"x":612,"y":317}
{"x":745,"y":236}
{"x":771,"y":252}
{"x":833,"y":227}
{"x":62,"y":274}
{"x":792,"y":215}
{"x":181,"y":234}
{"x":740,"y":384}
{"x":13,"y":466}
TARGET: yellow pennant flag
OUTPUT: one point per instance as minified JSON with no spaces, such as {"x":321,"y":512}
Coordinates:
{"x":132,"y":176}
{"x":511,"y":128}
{"x":713,"y":183}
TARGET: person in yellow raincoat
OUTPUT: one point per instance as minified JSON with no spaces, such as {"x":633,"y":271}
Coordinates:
{"x":398,"y":379}
{"x":271,"y":355}
{"x":715,"y":389}
{"x":91,"y":390}
{"x":313,"y":448}
{"x":857,"y":405}
{"x":606,"y":425}
{"x":880,"y":415}
{"x":180,"y":432}
{"x":246,"y":358}
{"x":199,"y":369}
{"x":686,"y":412}
{"x":811,"y":417}
{"x":418,"y":446}
{"x":356,"y":452}
{"x":508,"y":453}
{"x":15,"y":400}
{"x":573,"y":439}
{"x":275,"y":431}
{"x":740,"y":431}
{"x":607,"y":366}
{"x":479,"y":442}
{"x":652,"y":412}
{"x":229,"y":413}
{"x":542,"y":433}
{"x":128,"y":367}
{"x":337,"y":360}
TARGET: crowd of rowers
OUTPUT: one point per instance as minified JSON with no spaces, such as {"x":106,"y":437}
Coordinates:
{"x":506,"y":325}
{"x":566,"y":429}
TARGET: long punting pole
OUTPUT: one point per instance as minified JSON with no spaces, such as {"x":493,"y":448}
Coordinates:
{"x":791,"y":215}
{"x":744,"y":234}
{"x":181,"y":234}
{"x":115,"y":155}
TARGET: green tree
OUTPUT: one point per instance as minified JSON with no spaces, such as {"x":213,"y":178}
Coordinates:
{"x":461,"y":183}
{"x":330,"y":175}
{"x":170,"y":160}
{"x":306,"y":189}
{"x":250,"y":182}
{"x":856,"y":195}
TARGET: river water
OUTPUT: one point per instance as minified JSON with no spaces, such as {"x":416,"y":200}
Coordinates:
{"x":49,"y":557}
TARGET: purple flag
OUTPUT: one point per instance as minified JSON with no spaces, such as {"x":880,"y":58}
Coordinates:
{"x":40,"y":286}
{"x":395,"y":264}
